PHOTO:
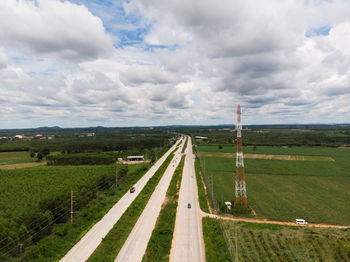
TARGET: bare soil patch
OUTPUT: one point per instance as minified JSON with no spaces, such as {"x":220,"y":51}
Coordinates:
{"x":124,"y":162}
{"x":22,"y":165}
{"x":270,"y":157}
{"x":260,"y":221}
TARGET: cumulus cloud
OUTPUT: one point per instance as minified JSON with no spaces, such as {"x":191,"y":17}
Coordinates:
{"x":283,"y":61}
{"x":67,"y":30}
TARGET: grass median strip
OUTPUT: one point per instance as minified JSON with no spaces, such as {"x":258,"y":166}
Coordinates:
{"x":113,"y":242}
{"x":159,"y":245}
{"x":185,"y":145}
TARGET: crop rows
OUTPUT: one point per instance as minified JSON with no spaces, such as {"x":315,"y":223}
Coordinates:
{"x":259,"y":242}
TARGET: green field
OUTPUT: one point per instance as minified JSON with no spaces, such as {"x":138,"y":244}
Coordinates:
{"x":263,"y":242}
{"x":284,"y":190}
{"x":8,"y":158}
{"x":268,"y":242}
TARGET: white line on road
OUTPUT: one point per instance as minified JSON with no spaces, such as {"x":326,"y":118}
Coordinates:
{"x":188,"y":243}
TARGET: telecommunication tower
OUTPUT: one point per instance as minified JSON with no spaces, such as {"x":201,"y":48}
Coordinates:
{"x":240,"y":187}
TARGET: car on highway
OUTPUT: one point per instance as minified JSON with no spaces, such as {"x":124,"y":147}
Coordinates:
{"x":132,"y":189}
{"x":188,"y":205}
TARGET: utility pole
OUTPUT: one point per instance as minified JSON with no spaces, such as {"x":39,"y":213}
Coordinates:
{"x":116,"y":177}
{"x":71,"y":206}
{"x":20,"y":248}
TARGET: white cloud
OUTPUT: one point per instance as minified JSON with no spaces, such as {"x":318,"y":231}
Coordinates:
{"x":67,"y":30}
{"x":220,"y":54}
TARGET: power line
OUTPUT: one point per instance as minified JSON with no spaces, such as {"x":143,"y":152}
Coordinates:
{"x":55,"y":214}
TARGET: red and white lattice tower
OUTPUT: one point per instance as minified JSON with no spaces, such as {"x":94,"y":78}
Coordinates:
{"x":240,"y":188}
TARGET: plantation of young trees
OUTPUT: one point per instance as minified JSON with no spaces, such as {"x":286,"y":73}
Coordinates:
{"x":32,"y":200}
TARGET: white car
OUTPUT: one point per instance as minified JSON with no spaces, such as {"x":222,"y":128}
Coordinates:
{"x":300,"y":221}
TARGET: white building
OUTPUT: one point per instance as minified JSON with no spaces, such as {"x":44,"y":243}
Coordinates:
{"x":135,"y":158}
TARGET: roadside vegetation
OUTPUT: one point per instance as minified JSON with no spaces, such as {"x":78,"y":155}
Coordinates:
{"x":42,"y":210}
{"x":159,"y":245}
{"x":202,"y":197}
{"x":113,"y":242}
{"x":216,"y":249}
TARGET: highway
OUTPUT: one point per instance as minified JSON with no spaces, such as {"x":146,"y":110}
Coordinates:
{"x":188,"y":243}
{"x":136,"y":244}
{"x":90,"y":241}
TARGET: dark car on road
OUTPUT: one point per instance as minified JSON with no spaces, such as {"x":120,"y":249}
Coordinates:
{"x":188,"y":205}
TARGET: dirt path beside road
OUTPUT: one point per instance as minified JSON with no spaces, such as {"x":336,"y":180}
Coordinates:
{"x":251,"y":220}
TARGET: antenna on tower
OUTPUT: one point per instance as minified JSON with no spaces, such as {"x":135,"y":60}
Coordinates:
{"x":240,"y":185}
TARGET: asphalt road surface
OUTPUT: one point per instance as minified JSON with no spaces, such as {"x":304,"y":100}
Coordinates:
{"x":90,"y":241}
{"x":188,"y":243}
{"x":136,"y":244}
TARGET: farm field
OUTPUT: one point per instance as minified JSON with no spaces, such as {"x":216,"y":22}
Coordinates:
{"x":264,"y":242}
{"x":270,"y":156}
{"x":8,"y":158}
{"x":42,"y":198}
{"x":317,"y":191}
{"x":275,"y":243}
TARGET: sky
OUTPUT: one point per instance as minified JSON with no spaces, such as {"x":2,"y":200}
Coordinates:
{"x":83,"y":63}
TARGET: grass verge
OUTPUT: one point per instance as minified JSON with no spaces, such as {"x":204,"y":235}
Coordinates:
{"x":113,"y":242}
{"x":159,"y":245}
{"x":203,"y":203}
{"x":215,"y":246}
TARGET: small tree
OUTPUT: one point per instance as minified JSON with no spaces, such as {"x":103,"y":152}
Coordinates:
{"x":32,"y":154}
{"x":220,"y":146}
{"x":39,"y":156}
{"x":45,"y":152}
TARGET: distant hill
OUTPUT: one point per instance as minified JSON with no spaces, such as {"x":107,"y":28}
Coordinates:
{"x":48,"y":127}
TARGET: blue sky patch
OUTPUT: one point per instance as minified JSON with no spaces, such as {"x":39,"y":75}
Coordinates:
{"x":129,"y":29}
{"x":323,"y":30}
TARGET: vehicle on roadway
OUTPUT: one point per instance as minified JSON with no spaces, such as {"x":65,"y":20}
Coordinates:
{"x":132,"y":189}
{"x":300,"y":221}
{"x":188,"y":205}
